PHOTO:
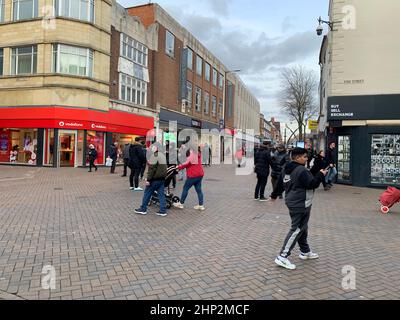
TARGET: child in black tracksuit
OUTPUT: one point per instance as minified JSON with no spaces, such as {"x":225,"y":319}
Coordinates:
{"x":299,"y":185}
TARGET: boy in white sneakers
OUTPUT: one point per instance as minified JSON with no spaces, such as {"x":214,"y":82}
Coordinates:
{"x":300,"y":185}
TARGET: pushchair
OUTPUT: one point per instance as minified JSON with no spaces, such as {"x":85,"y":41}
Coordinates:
{"x":170,"y":198}
{"x":388,"y":199}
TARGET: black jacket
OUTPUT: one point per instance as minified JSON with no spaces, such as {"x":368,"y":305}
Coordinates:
{"x":136,"y":156}
{"x":278,"y":162}
{"x":263,"y":162}
{"x":319,"y":164}
{"x":113,"y":152}
{"x":92,"y":154}
{"x":330,"y":156}
{"x":300,"y":185}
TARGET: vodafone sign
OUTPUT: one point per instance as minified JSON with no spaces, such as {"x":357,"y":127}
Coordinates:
{"x":98,"y":126}
{"x":71,"y":124}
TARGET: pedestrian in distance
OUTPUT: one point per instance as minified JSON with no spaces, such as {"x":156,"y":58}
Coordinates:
{"x":320,"y":164}
{"x":262,"y":168}
{"x":113,"y":154}
{"x":125,"y":155}
{"x":136,"y":162}
{"x":92,"y":157}
{"x":300,"y":186}
{"x":155,"y":181}
{"x":331,"y":161}
{"x":311,"y":155}
{"x":279,"y":160}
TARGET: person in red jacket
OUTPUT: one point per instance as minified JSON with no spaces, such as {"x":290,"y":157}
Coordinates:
{"x":195,"y":174}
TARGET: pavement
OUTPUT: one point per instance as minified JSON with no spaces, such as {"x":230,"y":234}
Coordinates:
{"x":69,"y":234}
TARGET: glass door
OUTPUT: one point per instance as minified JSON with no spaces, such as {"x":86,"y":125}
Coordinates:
{"x":67,"y":148}
{"x":344,"y":159}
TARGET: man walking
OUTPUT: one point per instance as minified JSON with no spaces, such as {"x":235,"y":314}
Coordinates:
{"x":126,"y":159}
{"x":113,"y":154}
{"x":300,"y":185}
{"x":262,"y":167}
{"x":331,"y":161}
{"x":279,"y":160}
{"x":136,"y":162}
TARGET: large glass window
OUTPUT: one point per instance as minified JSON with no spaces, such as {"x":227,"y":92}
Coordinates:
{"x":1,"y":61}
{"x":199,"y":65}
{"x":133,"y":90}
{"x":198,"y":99}
{"x":24,"y":60}
{"x":96,"y":139}
{"x":18,"y":146}
{"x":2,"y":10}
{"x":25,"y":9}
{"x":134,"y":50}
{"x":206,"y":103}
{"x":344,"y":158}
{"x":170,"y":44}
{"x":190,"y":59}
{"x":122,"y":140}
{"x":76,"y":9}
{"x":72,"y":60}
{"x":214,"y":106}
{"x":385,"y":159}
{"x":189,"y":96}
{"x":207,"y":72}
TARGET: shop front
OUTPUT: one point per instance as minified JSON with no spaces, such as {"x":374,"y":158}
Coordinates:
{"x":60,"y":137}
{"x":366,"y":130}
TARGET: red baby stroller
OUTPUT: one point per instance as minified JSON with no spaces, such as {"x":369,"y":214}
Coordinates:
{"x":389,"y":198}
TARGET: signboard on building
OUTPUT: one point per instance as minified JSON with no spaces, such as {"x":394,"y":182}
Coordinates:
{"x":196,"y":123}
{"x":312,"y":125}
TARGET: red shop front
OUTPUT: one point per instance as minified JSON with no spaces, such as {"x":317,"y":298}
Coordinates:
{"x":60,"y":137}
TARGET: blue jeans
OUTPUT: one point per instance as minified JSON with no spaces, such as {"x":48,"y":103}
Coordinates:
{"x":331,"y":175}
{"x":196,"y":182}
{"x":154,"y":186}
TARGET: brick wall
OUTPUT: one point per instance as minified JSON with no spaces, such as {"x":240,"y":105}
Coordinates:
{"x":146,"y":13}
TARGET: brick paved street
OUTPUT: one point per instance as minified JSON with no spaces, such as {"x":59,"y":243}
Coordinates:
{"x":82,"y":224}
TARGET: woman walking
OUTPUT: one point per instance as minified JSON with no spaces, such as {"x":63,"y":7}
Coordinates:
{"x":92,"y":157}
{"x":195,"y":174}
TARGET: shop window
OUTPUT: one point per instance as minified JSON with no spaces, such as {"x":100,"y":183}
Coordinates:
{"x":72,"y":60}
{"x":344,"y":158}
{"x":75,"y":9}
{"x":25,"y":9}
{"x":24,"y":60}
{"x":385,"y":159}
{"x":18,"y":146}
{"x":97,"y":139}
{"x":49,"y":147}
{"x":122,"y":140}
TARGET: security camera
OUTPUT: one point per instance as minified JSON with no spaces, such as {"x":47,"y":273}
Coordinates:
{"x":320,"y":29}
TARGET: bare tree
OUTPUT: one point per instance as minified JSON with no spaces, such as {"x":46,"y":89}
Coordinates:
{"x":298,"y":94}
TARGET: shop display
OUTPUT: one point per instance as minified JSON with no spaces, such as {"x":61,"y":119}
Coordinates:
{"x":97,"y":139}
{"x":385,"y":159}
{"x":344,"y":158}
{"x":18,"y":146}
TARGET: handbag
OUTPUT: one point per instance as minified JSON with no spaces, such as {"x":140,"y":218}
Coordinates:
{"x":109,"y":162}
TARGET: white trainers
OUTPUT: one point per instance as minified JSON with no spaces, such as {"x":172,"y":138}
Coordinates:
{"x":285,"y":263}
{"x":200,"y":208}
{"x":138,"y":189}
{"x":179,"y":205}
{"x":308,"y":256}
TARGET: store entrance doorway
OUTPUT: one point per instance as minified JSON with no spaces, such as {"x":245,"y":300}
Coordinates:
{"x":67,"y":148}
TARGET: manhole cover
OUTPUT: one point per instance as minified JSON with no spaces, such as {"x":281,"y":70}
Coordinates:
{"x":58,"y":189}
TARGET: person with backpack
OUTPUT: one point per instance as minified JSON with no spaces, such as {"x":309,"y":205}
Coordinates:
{"x":300,"y":186}
{"x":92,"y":157}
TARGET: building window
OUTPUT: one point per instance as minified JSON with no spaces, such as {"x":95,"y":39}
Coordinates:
{"x":207,"y":72}
{"x":134,"y":50}
{"x":215,"y":77}
{"x":189,"y":95}
{"x":206,"y":103}
{"x":72,"y":60}
{"x":133,"y":90}
{"x":18,"y":146}
{"x":170,"y":44}
{"x":25,"y":9}
{"x":344,"y":158}
{"x":221,"y":81}
{"x":190,"y":59}
{"x":24,"y":60}
{"x":198,"y":99}
{"x":214,"y":106}
{"x":1,"y":62}
{"x":75,"y":9}
{"x":199,"y":66}
{"x":2,"y":10}
{"x":220,"y":107}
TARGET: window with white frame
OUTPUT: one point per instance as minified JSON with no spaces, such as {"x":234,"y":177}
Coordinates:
{"x":170,"y":44}
{"x":75,"y":9}
{"x":1,"y":61}
{"x":2,"y":10}
{"x":72,"y":60}
{"x":207,"y":72}
{"x":190,"y":59}
{"x":25,"y":9}
{"x":199,"y":65}
{"x":24,"y":60}
{"x":133,"y":90}
{"x":215,"y":77}
{"x":134,"y":50}
{"x":214,"y":106}
{"x":189,"y":94}
{"x":206,"y":103}
{"x":220,"y":107}
{"x":198,"y":99}
{"x":221,"y":81}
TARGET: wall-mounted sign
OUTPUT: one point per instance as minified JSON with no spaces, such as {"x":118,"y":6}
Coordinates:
{"x":196,"y":123}
{"x":312,"y":125}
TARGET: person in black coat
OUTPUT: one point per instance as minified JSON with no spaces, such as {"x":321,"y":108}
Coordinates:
{"x":143,"y":143}
{"x":331,"y":162}
{"x":262,"y":169}
{"x":320,"y":163}
{"x":92,"y":157}
{"x":113,"y":154}
{"x":136,"y":161}
{"x":279,"y":160}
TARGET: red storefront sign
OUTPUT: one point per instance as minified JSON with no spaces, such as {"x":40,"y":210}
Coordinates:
{"x":75,"y":119}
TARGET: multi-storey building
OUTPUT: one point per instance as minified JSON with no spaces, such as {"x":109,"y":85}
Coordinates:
{"x":360,"y":91}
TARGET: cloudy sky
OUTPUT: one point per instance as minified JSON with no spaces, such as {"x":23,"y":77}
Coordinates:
{"x":259,"y":37}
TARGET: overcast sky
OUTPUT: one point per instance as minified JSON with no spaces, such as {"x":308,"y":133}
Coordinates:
{"x":259,"y":37}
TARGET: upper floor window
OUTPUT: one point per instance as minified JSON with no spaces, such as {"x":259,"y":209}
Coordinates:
{"x":189,"y":96}
{"x":24,"y":60}
{"x":207,"y":72}
{"x":76,"y":9}
{"x":221,"y":81}
{"x":220,"y":107}
{"x":198,"y":99}
{"x":170,"y":44}
{"x":190,"y":59}
{"x":199,"y":65}
{"x":1,"y":61}
{"x":25,"y":9}
{"x":134,"y":50}
{"x":2,"y":10}
{"x":72,"y":60}
{"x":133,"y":90}
{"x":214,"y":106}
{"x":206,"y":103}
{"x":215,"y":77}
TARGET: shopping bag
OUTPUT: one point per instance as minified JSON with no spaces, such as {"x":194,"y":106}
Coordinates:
{"x":109,"y":162}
